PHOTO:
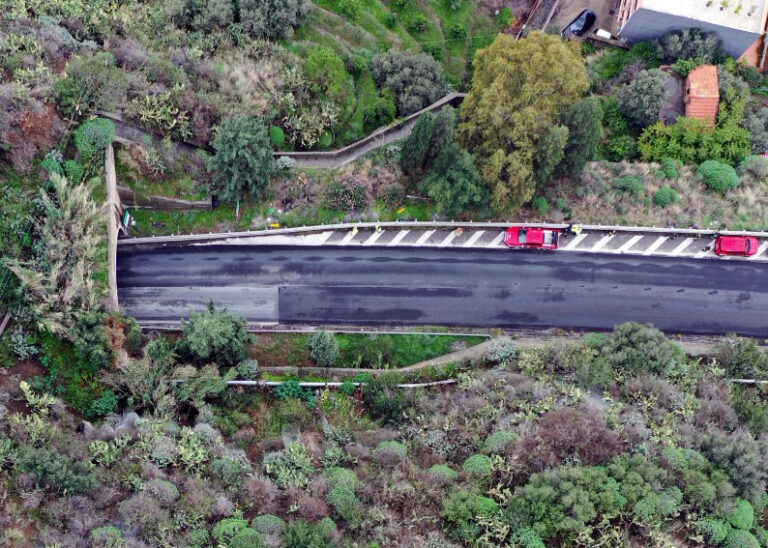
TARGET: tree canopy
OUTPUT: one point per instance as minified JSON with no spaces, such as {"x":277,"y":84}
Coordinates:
{"x":519,"y":89}
{"x":243,"y":163}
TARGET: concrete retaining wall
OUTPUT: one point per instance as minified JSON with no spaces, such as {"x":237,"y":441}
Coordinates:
{"x":130,"y":198}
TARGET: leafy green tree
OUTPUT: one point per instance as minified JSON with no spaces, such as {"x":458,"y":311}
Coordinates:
{"x":584,"y":122}
{"x":689,"y":44}
{"x":323,"y":348}
{"x":550,"y":150}
{"x":416,"y":80}
{"x":443,"y":133}
{"x":454,"y":183}
{"x":213,"y":336}
{"x":243,"y":163}
{"x":380,"y":113}
{"x":641,"y":99}
{"x":414,"y":152}
{"x":519,"y":88}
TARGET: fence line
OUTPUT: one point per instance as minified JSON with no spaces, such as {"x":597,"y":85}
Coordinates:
{"x":337,"y":384}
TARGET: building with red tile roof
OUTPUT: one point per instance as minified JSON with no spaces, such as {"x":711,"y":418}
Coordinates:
{"x":702,"y":94}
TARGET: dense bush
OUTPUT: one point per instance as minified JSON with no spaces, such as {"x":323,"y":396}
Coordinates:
{"x":671,"y":168}
{"x":740,"y":539}
{"x":756,"y":166}
{"x":91,"y":82}
{"x":389,"y":452}
{"x":443,"y":473}
{"x":630,"y":184}
{"x":477,"y":466}
{"x":416,"y":80}
{"x":213,"y":336}
{"x":384,"y":399}
{"x":273,"y":19}
{"x":756,"y":123}
{"x":584,"y":122}
{"x":53,"y":471}
{"x":741,"y":357}
{"x":268,"y":524}
{"x":742,"y":516}
{"x":323,"y":348}
{"x":346,"y":505}
{"x":641,"y":99}
{"x":636,"y":349}
{"x":498,"y":442}
{"x":93,"y":136}
{"x":713,"y":530}
{"x":665,"y":196}
{"x":717,"y":177}
{"x":380,"y":113}
{"x":460,"y":511}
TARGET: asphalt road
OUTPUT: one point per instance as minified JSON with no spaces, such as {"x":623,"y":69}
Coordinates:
{"x":482,"y":288}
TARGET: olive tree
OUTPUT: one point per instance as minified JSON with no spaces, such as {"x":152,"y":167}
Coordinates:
{"x":641,"y":99}
{"x":416,"y":80}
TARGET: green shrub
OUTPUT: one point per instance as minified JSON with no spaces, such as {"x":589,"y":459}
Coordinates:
{"x":276,"y":136}
{"x":665,"y":196}
{"x":458,"y":31}
{"x":292,"y":389}
{"x":350,"y":8}
{"x":133,"y":334}
{"x":419,"y":23}
{"x":713,"y":530}
{"x":501,"y":350}
{"x":629,"y":184}
{"x":762,"y":536}
{"x":540,"y":205}
{"x":621,"y":147}
{"x":289,"y":468}
{"x":443,"y":473}
{"x":341,"y":476}
{"x":197,"y":538}
{"x":670,"y":167}
{"x":742,"y":516}
{"x":497,"y":442}
{"x":388,"y":452}
{"x":300,"y":534}
{"x":750,"y":408}
{"x":460,"y":511}
{"x":74,"y":171}
{"x":268,"y":524}
{"x":102,"y":406}
{"x":54,"y":471}
{"x":740,"y":539}
{"x":348,"y":387}
{"x":385,"y":400}
{"x":213,"y":337}
{"x":323,"y":348}
{"x":390,"y":20}
{"x":527,"y":537}
{"x":106,"y":536}
{"x":246,"y":538}
{"x":757,"y":166}
{"x":718,"y":177}
{"x":93,"y":136}
{"x":346,"y":505}
{"x":477,"y":466}
{"x":227,"y":528}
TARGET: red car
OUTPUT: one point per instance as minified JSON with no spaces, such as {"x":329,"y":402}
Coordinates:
{"x":537,"y":238}
{"x":741,"y":246}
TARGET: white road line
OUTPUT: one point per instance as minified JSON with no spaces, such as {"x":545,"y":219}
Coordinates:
{"x":473,"y":239}
{"x":497,"y":240}
{"x":760,"y":251}
{"x":399,"y":237}
{"x":629,"y":243}
{"x":573,"y":243}
{"x":448,"y":239}
{"x":321,"y":240}
{"x":684,"y":244}
{"x":600,"y":244}
{"x":655,"y":245}
{"x":373,"y":237}
{"x":348,"y":238}
{"x":424,"y":237}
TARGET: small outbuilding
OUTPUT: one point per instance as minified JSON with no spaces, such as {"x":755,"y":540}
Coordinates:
{"x":702,"y":94}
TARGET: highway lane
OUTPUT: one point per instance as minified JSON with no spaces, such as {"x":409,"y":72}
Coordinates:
{"x":483,"y":288}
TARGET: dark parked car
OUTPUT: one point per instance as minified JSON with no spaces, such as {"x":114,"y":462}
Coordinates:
{"x":581,"y":24}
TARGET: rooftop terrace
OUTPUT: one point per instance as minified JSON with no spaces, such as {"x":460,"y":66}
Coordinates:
{"x":747,"y":15}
